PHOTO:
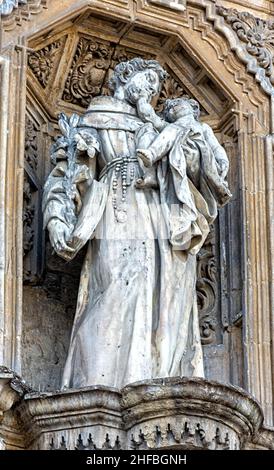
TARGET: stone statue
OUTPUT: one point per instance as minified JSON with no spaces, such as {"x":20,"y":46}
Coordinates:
{"x":141,"y":190}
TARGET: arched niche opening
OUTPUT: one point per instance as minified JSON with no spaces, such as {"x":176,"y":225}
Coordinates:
{"x":65,"y":69}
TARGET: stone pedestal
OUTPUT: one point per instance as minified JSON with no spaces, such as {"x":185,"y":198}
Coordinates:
{"x":162,"y":413}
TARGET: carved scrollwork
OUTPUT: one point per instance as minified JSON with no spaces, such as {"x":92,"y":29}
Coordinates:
{"x":28,"y":216}
{"x":206,"y":288}
{"x":87,"y":73}
{"x":41,"y":62}
{"x":31,"y":145}
{"x":256,"y":33}
{"x":31,"y":196}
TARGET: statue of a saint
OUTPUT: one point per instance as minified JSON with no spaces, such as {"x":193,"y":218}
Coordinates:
{"x":141,"y":190}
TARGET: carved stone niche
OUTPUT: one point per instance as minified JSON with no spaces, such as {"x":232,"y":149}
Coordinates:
{"x":64,"y":73}
{"x":172,"y":413}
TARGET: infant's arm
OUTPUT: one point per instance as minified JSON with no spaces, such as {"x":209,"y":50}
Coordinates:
{"x":160,"y":146}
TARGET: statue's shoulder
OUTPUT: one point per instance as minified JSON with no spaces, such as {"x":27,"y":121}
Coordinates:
{"x":106,"y":112}
{"x":206,"y":128}
{"x":110,"y":104}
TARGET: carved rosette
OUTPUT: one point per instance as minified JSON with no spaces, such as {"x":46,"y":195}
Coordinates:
{"x":257,"y":34}
{"x":41,"y":62}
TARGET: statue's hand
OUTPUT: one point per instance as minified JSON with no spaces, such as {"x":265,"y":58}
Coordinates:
{"x":147,"y":113}
{"x":146,"y":156}
{"x":59,"y":234}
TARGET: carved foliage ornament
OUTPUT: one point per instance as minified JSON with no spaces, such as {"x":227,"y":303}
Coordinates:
{"x":28,"y":216}
{"x":31,"y":145}
{"x":206,"y":289}
{"x":41,"y":62}
{"x":257,"y":34}
{"x":170,"y":90}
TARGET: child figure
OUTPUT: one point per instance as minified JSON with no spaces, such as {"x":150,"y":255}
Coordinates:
{"x":201,"y":148}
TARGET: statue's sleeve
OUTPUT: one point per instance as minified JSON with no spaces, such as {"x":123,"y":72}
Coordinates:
{"x":164,"y":141}
{"x":55,"y":201}
{"x":216,"y":148}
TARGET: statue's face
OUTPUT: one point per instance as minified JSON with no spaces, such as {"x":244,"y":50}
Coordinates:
{"x":145,"y":83}
{"x":178,"y":110}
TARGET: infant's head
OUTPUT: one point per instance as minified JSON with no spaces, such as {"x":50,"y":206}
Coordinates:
{"x":180,"y":107}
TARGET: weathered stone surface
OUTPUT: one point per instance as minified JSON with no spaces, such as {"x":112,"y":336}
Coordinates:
{"x":44,"y":354}
{"x":174,"y":4}
{"x":211,"y":63}
{"x":162,"y":413}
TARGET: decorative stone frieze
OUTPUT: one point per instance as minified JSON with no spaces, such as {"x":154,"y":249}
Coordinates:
{"x":161,"y":413}
{"x":256,"y":34}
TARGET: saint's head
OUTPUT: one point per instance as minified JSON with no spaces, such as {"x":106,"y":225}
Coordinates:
{"x":137,"y":78}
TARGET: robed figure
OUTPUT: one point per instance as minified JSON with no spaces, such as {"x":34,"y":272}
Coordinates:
{"x":136,"y":314}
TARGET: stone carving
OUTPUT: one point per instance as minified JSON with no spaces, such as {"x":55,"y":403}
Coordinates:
{"x":13,"y":12}
{"x":173,"y":4}
{"x":28,"y":216}
{"x":32,"y":228}
{"x":62,"y":445}
{"x":90,"y":445}
{"x":207,"y":289}
{"x":256,"y":33}
{"x":7,"y":6}
{"x":79,"y":204}
{"x":31,"y":145}
{"x":16,"y":383}
{"x":87,"y":72}
{"x":192,"y":435}
{"x":161,"y":413}
{"x":41,"y":62}
{"x":171,"y":89}
{"x":121,"y":54}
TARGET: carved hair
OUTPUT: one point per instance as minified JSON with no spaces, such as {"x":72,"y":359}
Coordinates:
{"x":125,"y":70}
{"x":169,"y":104}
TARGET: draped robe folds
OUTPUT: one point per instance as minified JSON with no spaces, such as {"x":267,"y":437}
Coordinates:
{"x":136,"y":315}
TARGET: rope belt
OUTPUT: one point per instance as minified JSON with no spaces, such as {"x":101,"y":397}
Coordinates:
{"x":116,"y":161}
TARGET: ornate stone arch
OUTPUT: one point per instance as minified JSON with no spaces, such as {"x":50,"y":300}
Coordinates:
{"x":214,"y":47}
